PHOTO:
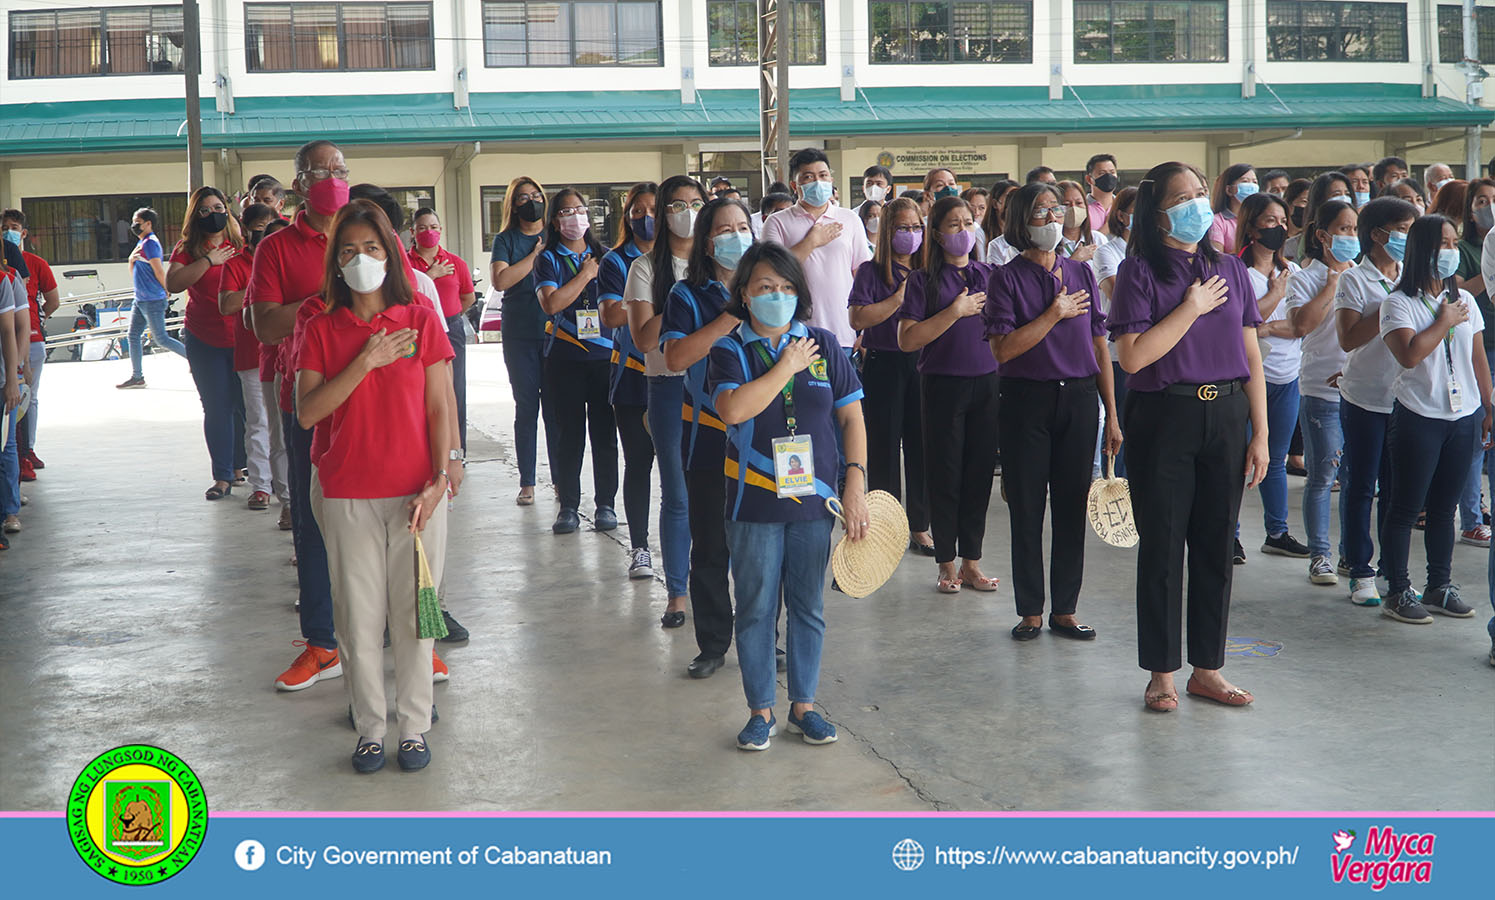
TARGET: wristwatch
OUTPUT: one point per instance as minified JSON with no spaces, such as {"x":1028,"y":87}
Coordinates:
{"x":457,"y":455}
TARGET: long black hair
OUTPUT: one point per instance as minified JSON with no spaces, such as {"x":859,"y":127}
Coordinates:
{"x":1385,"y":210}
{"x":1318,"y":195}
{"x":700,"y":269}
{"x":661,"y":257}
{"x":784,"y":263}
{"x":553,"y":236}
{"x":1020,"y":209}
{"x":1251,"y":209}
{"x":1147,"y":233}
{"x":934,"y":258}
{"x":1322,"y":221}
{"x":1222,"y":195}
{"x":625,"y":234}
{"x":1420,"y":267}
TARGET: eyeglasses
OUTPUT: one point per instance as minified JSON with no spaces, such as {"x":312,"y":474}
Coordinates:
{"x":1049,"y":212}
{"x":573,"y":211}
{"x":206,"y":211}
{"x":525,"y":198}
{"x":340,"y":174}
{"x":680,"y":206}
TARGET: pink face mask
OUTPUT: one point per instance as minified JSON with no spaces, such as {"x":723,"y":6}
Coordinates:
{"x":428,"y":238}
{"x":327,"y":196}
{"x":573,"y":226}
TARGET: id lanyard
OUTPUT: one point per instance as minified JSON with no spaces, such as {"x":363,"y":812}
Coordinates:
{"x":588,"y":321}
{"x":790,"y":421}
{"x":1455,"y":397}
{"x":793,"y":456}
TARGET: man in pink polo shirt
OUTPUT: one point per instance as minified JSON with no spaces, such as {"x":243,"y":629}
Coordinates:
{"x":827,"y":239}
{"x":1100,"y":175}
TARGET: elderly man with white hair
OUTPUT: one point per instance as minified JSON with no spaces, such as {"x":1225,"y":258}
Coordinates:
{"x":1434,"y":177}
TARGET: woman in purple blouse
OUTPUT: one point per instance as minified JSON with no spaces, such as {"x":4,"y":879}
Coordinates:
{"x":941,"y":318}
{"x":890,"y":376}
{"x":1049,"y":338}
{"x":1184,"y":320}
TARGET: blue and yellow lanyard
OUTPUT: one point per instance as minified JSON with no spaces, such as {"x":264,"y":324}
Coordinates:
{"x":574,"y":267}
{"x":789,"y":419}
{"x":1447,"y":340}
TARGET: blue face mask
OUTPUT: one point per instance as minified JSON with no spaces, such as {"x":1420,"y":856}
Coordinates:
{"x":13,"y":237}
{"x":816,"y":193}
{"x":1448,"y":262}
{"x":1361,"y":198}
{"x":1396,"y":245}
{"x":1190,"y":220}
{"x":774,"y":310}
{"x":948,"y":190}
{"x":1346,"y":247}
{"x":1244,"y":189}
{"x":728,"y":248}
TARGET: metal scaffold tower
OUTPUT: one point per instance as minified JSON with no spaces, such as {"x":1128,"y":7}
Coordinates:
{"x":773,"y":91}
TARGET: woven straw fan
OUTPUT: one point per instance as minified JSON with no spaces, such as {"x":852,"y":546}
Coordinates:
{"x":1110,"y":508}
{"x":862,"y":567}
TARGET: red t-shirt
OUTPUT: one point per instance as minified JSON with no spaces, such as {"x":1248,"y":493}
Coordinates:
{"x":204,"y":320}
{"x":379,"y":441}
{"x":246,"y":345}
{"x":288,"y":268}
{"x":449,"y":287}
{"x":40,"y":282}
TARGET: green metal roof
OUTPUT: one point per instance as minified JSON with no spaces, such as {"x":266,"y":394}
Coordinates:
{"x":84,"y":127}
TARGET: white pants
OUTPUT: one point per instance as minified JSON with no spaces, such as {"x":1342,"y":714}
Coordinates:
{"x":256,"y":431}
{"x":371,"y":560}
{"x":38,"y":357}
{"x":265,"y":403}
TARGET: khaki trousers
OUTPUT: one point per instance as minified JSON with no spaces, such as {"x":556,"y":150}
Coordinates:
{"x":371,"y":560}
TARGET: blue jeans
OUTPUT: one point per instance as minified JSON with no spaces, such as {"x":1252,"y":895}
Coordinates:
{"x":666,"y":398}
{"x":1366,"y":463}
{"x":1432,"y":463}
{"x":217,"y":386}
{"x":10,"y":470}
{"x":311,"y":552}
{"x":152,"y":312}
{"x":523,"y":359}
{"x":1470,"y":516}
{"x":1323,"y":441}
{"x":1282,"y":412}
{"x":1490,"y":568}
{"x":769,"y":558}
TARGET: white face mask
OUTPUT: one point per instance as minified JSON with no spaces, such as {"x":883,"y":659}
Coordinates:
{"x":875,"y":192}
{"x":682,"y":224}
{"x":1046,"y":237}
{"x":363,"y":273}
{"x":872,"y":225}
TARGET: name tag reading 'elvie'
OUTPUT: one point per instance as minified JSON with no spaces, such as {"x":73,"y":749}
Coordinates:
{"x":588,"y":323}
{"x":794,"y":466}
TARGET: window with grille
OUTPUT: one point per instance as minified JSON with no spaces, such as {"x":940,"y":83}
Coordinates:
{"x":72,"y":230}
{"x":950,"y":31}
{"x":576,"y":33}
{"x":1160,"y":32}
{"x":62,"y":43}
{"x":1336,"y":32}
{"x":1451,"y":33}
{"x":732,"y":27}
{"x":331,"y":37}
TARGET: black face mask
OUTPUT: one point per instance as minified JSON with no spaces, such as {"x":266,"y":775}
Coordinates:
{"x":213,"y":222}
{"x":532,"y":211}
{"x":1298,"y":216}
{"x":1106,"y":183}
{"x":1272,"y":238}
{"x":135,"y":229}
{"x":256,"y":236}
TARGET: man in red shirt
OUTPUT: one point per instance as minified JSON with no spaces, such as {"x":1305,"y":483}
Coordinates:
{"x":43,"y":284}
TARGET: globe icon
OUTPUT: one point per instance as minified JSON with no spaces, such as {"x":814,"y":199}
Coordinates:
{"x":908,"y":854}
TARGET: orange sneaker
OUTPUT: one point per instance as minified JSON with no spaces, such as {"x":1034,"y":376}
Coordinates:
{"x":311,"y":666}
{"x":439,"y":671}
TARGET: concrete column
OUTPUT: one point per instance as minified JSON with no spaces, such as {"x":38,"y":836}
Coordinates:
{"x":687,"y":52}
{"x":848,"y":10}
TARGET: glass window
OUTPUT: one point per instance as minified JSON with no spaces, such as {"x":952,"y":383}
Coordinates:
{"x":733,"y":29}
{"x":1451,"y":33}
{"x":136,"y":40}
{"x":1160,"y":31}
{"x":960,"y":31}
{"x":72,"y":230}
{"x":331,"y":37}
{"x":1347,"y":32}
{"x":572,"y":33}
{"x":604,"y":204}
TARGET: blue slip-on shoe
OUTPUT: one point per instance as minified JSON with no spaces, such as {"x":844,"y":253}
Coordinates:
{"x":414,"y":754}
{"x":605,"y":519}
{"x":755,"y":736}
{"x":567,"y":522}
{"x":368,"y":758}
{"x":813,"y":726}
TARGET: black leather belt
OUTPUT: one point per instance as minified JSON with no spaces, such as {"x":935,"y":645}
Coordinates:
{"x":1205,"y":392}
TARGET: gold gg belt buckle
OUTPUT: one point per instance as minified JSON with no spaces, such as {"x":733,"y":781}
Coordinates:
{"x":1208,"y":392}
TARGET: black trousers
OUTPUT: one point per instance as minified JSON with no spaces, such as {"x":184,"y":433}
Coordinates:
{"x":710,"y":600}
{"x":638,"y":468}
{"x":1186,"y":463}
{"x":1047,"y":431}
{"x":960,"y":454}
{"x":456,"y":333}
{"x":574,"y":395}
{"x":895,"y":422}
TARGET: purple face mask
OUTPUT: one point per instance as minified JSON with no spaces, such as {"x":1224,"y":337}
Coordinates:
{"x":958,"y":243}
{"x":907,"y":242}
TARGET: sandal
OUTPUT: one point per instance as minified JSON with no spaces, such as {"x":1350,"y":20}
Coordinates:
{"x":985,"y":585}
{"x":949,"y":585}
{"x":218,"y":493}
{"x":525,"y":499}
{"x":1232,"y":697}
{"x":1162,"y":701}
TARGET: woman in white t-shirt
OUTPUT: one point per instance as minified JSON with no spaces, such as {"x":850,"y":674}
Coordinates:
{"x":1261,"y":232}
{"x":1365,"y":387}
{"x":1442,"y":391}
{"x":1330,"y":247}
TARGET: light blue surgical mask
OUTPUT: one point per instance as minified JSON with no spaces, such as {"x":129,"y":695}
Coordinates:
{"x":775,"y":309}
{"x":1346,"y":247}
{"x":817,"y":193}
{"x":1448,"y":262}
{"x":1244,"y":189}
{"x":948,"y":190}
{"x":728,"y":248}
{"x":1396,"y":245}
{"x":1361,"y":198}
{"x":13,"y":236}
{"x":1190,"y":220}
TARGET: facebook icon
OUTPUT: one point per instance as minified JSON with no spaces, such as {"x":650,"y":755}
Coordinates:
{"x":250,"y":855}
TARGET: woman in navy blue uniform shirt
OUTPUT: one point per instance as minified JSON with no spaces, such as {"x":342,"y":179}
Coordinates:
{"x":629,"y":393}
{"x":1048,"y":335}
{"x":787,"y":406}
{"x":516,"y":251}
{"x":575,"y":381}
{"x":694,"y":317}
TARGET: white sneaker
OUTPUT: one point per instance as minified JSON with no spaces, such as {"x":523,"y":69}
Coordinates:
{"x":1321,"y":571}
{"x":643,"y":564}
{"x":1363,"y":592}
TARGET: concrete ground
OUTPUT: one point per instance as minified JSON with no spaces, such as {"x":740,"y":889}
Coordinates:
{"x":134,"y":611}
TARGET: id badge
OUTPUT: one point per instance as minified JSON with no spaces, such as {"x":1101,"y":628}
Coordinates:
{"x":794,"y":466}
{"x":1455,"y":396}
{"x":588,"y":323}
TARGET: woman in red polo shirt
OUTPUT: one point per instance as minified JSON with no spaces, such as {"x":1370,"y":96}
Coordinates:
{"x":371,"y":371}
{"x":210,"y":238}
{"x":453,"y":278}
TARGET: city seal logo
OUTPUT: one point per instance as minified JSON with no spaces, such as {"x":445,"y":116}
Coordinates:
{"x":818,"y":370}
{"x":137,"y":814}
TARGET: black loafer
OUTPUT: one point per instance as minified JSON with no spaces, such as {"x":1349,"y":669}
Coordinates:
{"x":414,"y":755}
{"x":780,"y":660}
{"x":673,"y":619}
{"x":1078,"y":632}
{"x":455,"y":633}
{"x":368,"y":758}
{"x":921,"y":549}
{"x":567,"y":522}
{"x":705,"y":666}
{"x":605,"y":519}
{"x":1021,"y":632}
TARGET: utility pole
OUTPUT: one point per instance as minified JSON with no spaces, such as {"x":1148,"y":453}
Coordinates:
{"x":192,"y":54}
{"x":1474,"y":91}
{"x":773,"y":90}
